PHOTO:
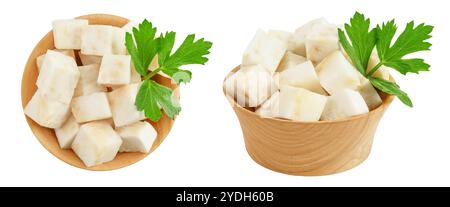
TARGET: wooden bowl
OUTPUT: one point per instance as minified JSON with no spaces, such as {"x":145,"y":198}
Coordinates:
{"x":47,"y":136}
{"x":309,"y":148}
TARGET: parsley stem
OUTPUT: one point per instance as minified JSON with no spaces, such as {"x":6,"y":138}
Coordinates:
{"x":374,"y":69}
{"x":154,"y":72}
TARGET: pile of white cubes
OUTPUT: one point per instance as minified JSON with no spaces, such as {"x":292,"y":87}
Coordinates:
{"x":91,"y":106}
{"x":302,"y":76}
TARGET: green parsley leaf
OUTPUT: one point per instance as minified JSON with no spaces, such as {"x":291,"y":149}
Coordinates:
{"x":189,"y":52}
{"x":411,"y":40}
{"x":391,"y":88}
{"x":151,"y":96}
{"x":143,"y":47}
{"x":362,"y":41}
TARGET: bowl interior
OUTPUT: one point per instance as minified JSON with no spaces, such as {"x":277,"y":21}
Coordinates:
{"x":47,"y":136}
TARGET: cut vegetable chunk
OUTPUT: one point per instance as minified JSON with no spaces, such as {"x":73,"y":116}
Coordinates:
{"x":123,"y":109}
{"x":336,"y":73}
{"x":270,"y":108}
{"x":370,"y":94}
{"x":137,"y":137}
{"x":343,"y":104}
{"x":67,"y":132}
{"x":290,"y":60}
{"x":264,"y":50}
{"x":91,"y":107}
{"x":96,"y":143}
{"x":115,"y":70}
{"x":40,"y":59}
{"x":87,"y":84}
{"x":300,"y":104}
{"x":47,"y":113}
{"x":97,"y":40}
{"x":302,"y":76}
{"x":58,"y":77}
{"x":252,"y":86}
{"x":67,"y":33}
{"x":118,"y":44}
{"x":319,"y":47}
{"x":299,"y":38}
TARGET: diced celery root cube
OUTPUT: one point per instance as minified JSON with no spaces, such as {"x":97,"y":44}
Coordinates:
{"x":270,"y":108}
{"x":97,"y":40}
{"x":264,"y":50}
{"x":67,"y":132}
{"x":67,"y":33}
{"x":91,"y":107}
{"x":336,"y":73}
{"x":344,"y":103}
{"x":47,"y":113}
{"x":290,"y":60}
{"x":115,"y":70}
{"x":96,"y":143}
{"x":87,"y":84}
{"x":58,"y":77}
{"x":137,"y":137}
{"x":122,"y":105}
{"x":302,"y":76}
{"x":300,"y":104}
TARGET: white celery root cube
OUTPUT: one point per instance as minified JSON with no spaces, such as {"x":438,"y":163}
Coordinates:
{"x":47,"y":113}
{"x":270,"y":108}
{"x":122,"y":105}
{"x":40,"y":59}
{"x":97,"y":40}
{"x":58,"y":77}
{"x":299,"y":104}
{"x":281,"y":35}
{"x":118,"y":44}
{"x":91,"y":107}
{"x":299,"y":36}
{"x":96,"y":143}
{"x":344,"y":103}
{"x":302,"y":76}
{"x":336,"y":73}
{"x":115,"y":70}
{"x":370,"y":94}
{"x":137,"y":137}
{"x":67,"y":132}
{"x":264,"y":50}
{"x":90,"y":59}
{"x":252,"y":85}
{"x":67,"y":33}
{"x":87,"y":84}
{"x":290,"y":60}
{"x":319,"y":47}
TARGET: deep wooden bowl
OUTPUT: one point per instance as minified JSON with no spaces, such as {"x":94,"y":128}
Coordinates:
{"x":309,"y":148}
{"x":47,"y":136}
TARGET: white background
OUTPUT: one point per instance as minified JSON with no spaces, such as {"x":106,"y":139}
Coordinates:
{"x":205,"y":147}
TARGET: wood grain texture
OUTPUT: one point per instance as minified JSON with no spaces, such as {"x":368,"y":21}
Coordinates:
{"x":47,"y":136}
{"x":309,"y":148}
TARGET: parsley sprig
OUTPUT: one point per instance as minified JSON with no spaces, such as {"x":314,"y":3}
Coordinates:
{"x":362,"y":40}
{"x":143,"y":45}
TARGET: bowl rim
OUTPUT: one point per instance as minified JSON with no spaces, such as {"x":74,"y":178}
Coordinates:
{"x":385,"y":103}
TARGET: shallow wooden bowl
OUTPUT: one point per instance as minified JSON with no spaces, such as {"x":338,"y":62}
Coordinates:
{"x":309,"y":148}
{"x":47,"y":136}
